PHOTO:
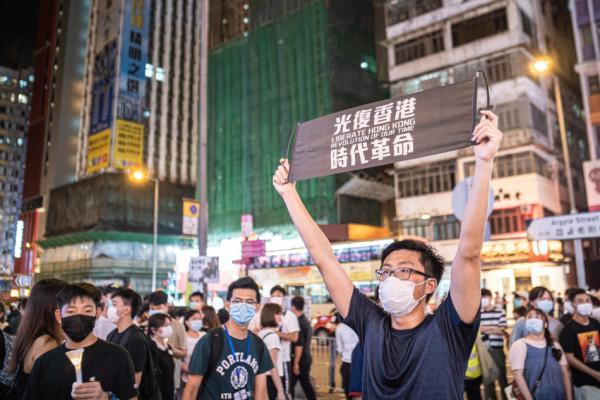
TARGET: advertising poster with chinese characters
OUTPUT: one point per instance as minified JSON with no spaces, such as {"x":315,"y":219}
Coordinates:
{"x":388,"y":131}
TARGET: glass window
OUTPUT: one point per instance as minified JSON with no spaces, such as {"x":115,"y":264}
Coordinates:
{"x":419,"y":47}
{"x":479,"y":27}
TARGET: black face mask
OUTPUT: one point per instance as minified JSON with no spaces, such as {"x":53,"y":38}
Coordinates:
{"x":78,"y":327}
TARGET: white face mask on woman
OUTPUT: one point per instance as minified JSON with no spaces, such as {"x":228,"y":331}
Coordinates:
{"x":397,"y":296}
{"x":165,"y":332}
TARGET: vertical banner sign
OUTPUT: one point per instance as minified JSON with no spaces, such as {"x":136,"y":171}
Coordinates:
{"x":591,"y":172}
{"x":247,"y":224}
{"x":129,"y":136}
{"x":191,"y":214}
{"x":103,"y":87}
{"x":420,"y":124}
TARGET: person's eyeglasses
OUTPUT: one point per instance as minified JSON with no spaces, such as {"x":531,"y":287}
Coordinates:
{"x":402,"y":273}
{"x":240,"y":301}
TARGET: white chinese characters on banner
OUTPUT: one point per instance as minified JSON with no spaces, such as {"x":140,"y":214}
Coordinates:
{"x":373,"y":134}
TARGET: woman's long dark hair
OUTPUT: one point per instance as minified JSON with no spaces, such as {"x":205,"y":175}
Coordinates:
{"x":556,"y":353}
{"x":38,"y":319}
{"x":155,"y":322}
{"x":189,"y":314}
{"x":210,"y":319}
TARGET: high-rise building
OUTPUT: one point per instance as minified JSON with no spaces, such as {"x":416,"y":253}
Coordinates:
{"x":139,"y":109}
{"x":55,"y":116}
{"x":585,"y":15}
{"x":15,"y":104}
{"x":431,"y":43}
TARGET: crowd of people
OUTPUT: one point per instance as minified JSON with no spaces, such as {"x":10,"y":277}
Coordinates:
{"x":145,"y":348}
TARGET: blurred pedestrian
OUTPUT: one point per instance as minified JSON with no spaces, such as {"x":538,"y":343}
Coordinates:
{"x":538,"y":363}
{"x":271,"y":317}
{"x":125,"y":303}
{"x":14,"y":319}
{"x":540,"y":298}
{"x":231,"y":362}
{"x":158,"y":301}
{"x":301,"y":354}
{"x":103,"y":325}
{"x":580,"y":339}
{"x":210,"y":320}
{"x":38,"y":333}
{"x":160,"y":331}
{"x":493,"y":330}
{"x":194,"y":330}
{"x":568,"y":307}
{"x":289,"y":333}
{"x":346,"y":340}
{"x":196,"y":301}
{"x":105,"y":368}
{"x":520,"y":299}
{"x":223,"y":315}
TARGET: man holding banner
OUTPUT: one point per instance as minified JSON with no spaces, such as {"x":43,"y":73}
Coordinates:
{"x":408,"y":354}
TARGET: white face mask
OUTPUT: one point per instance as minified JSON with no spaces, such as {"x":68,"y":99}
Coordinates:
{"x":397,"y":296}
{"x":277,"y":300}
{"x":112,"y":315}
{"x":584,"y":309}
{"x":596,"y":313}
{"x":485,"y":301}
{"x":166,"y":332}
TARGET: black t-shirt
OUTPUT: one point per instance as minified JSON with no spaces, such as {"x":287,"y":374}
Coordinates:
{"x":426,"y":362}
{"x":304,"y":339}
{"x":583,"y":341}
{"x":53,"y":374}
{"x":167,"y":368}
{"x":133,"y":340}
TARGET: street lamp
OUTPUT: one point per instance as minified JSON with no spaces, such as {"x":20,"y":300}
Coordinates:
{"x":542,"y":66}
{"x":140,"y":176}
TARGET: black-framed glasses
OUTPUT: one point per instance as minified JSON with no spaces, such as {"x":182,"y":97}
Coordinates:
{"x":240,"y":301}
{"x":402,"y":273}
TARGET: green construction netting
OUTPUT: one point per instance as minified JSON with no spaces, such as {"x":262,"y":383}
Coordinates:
{"x":259,"y":86}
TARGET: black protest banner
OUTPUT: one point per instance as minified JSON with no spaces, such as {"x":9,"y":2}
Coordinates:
{"x":403,"y":128}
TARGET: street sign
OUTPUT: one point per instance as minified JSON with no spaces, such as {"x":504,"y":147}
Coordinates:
{"x":565,"y":227}
{"x":191,"y":213}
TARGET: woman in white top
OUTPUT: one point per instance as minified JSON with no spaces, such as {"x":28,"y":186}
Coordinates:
{"x":271,"y":316}
{"x":192,"y":321}
{"x":538,"y":363}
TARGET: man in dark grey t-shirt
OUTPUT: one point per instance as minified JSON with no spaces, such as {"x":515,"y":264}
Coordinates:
{"x":406,"y":353}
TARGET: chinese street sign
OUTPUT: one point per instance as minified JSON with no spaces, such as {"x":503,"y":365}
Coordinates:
{"x":565,"y":227}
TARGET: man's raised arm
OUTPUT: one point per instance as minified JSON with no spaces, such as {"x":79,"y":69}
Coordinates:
{"x":465,"y":279}
{"x":338,"y":283}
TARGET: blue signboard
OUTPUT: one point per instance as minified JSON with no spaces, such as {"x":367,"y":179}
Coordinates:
{"x":134,"y":54}
{"x":103,"y":88}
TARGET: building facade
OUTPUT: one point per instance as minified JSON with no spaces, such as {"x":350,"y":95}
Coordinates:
{"x":15,"y":105}
{"x":437,"y":42}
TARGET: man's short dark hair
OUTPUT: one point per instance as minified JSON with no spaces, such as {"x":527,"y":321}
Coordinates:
{"x":158,"y":298}
{"x":109,"y":290}
{"x":298,"y":303}
{"x":243,"y":283}
{"x":486,"y":292}
{"x":538,"y":292}
{"x":200,"y":294}
{"x":78,"y":290}
{"x":430,"y":258}
{"x":278,"y":288}
{"x":576,"y":292}
{"x":130,"y":298}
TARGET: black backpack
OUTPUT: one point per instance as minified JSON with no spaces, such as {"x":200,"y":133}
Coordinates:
{"x":217,"y":339}
{"x":149,"y":386}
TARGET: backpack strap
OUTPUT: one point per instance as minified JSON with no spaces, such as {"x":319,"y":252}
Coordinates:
{"x":260,"y":345}
{"x":216,"y":348}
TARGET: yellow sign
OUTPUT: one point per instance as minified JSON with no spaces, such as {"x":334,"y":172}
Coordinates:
{"x":129,"y":144}
{"x":191,"y":213}
{"x":98,"y":151}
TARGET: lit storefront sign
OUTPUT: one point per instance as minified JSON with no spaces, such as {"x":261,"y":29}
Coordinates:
{"x":519,"y":250}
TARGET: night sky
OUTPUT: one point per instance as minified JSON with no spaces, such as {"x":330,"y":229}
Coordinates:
{"x":18,"y":27}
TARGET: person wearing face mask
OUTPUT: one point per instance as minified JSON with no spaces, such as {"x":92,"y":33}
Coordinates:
{"x":126,"y":303}
{"x":196,"y":301}
{"x":542,"y":299}
{"x":580,"y":338}
{"x":493,"y":329}
{"x":288,"y":333}
{"x":103,"y":325}
{"x":106,"y":369}
{"x":194,"y":330}
{"x":271,"y":317}
{"x":404,"y":347}
{"x":538,"y":363}
{"x":231,"y":362}
{"x":159,"y":330}
{"x":158,"y":302}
